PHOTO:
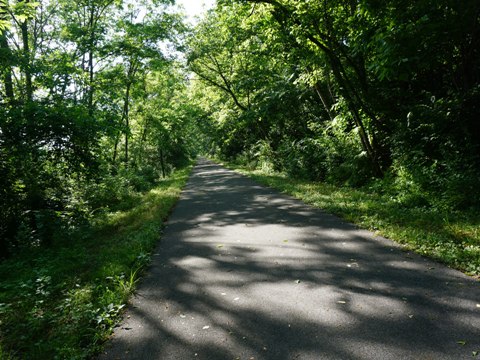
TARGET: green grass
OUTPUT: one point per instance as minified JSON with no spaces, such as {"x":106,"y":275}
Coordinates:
{"x":63,"y":302}
{"x":450,"y":237}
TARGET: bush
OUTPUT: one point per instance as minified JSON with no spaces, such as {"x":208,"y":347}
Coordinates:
{"x":436,"y":151}
{"x":303,"y":159}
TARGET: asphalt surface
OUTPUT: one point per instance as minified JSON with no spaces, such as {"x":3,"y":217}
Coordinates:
{"x":243,"y":272}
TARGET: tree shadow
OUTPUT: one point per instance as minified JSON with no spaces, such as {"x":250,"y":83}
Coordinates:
{"x":243,"y":272}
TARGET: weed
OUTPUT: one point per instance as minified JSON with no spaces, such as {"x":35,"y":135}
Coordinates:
{"x":62,"y":302}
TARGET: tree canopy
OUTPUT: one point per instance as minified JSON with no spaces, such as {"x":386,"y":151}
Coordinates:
{"x":347,"y":91}
{"x":89,"y":89}
{"x":339,"y":91}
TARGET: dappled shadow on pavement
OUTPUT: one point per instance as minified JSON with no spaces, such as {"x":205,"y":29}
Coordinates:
{"x":243,"y":272}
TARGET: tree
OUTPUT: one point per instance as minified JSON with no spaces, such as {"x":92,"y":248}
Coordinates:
{"x":73,"y":79}
{"x":138,"y":43}
{"x":363,"y":57}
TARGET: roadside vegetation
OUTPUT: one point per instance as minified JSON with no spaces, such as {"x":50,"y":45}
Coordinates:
{"x":96,"y":137}
{"x":63,"y":302}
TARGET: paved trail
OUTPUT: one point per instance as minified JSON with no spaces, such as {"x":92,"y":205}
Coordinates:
{"x":243,"y":272}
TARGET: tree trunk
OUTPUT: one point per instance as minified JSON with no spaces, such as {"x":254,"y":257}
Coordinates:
{"x":354,"y":102}
{"x":26,"y":60}
{"x":323,"y":100}
{"x":354,"y":109}
{"x":91,"y":44}
{"x":162,"y":163}
{"x":143,"y":139}
{"x":115,"y":148}
{"x":6,"y":57}
{"x":126,"y":109}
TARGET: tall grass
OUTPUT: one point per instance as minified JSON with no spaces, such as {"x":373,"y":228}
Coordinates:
{"x":62,"y":302}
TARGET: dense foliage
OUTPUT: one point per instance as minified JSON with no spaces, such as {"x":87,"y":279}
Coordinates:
{"x":348,"y":91}
{"x":96,"y":131}
{"x":62,"y":302}
{"x":93,"y":106}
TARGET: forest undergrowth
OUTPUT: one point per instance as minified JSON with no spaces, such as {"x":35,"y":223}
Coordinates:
{"x":62,"y":302}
